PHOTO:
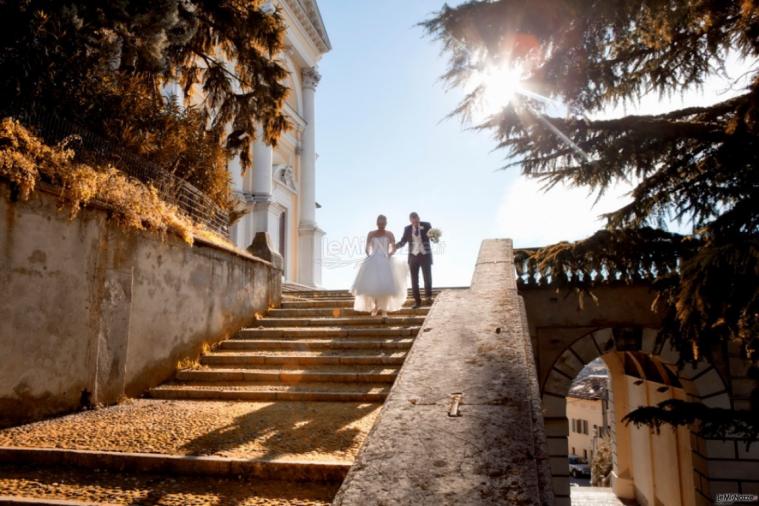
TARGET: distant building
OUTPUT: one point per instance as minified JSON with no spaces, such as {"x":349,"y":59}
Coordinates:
{"x":587,"y":412}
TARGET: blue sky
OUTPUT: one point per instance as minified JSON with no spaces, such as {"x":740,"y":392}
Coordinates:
{"x":385,"y":147}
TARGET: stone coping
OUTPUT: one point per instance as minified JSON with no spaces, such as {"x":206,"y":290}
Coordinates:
{"x":462,"y":424}
{"x":94,"y":204}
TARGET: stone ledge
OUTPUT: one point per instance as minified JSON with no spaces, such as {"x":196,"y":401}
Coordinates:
{"x":97,"y":205}
{"x":327,"y":472}
{"x":475,"y":343}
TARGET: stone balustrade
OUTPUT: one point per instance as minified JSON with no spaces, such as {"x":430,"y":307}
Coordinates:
{"x":585,"y":271}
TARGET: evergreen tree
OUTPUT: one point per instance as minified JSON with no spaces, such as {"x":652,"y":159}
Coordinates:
{"x":104,"y":65}
{"x":699,"y":165}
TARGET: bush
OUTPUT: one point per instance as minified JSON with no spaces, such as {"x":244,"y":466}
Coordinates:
{"x":601,"y":466}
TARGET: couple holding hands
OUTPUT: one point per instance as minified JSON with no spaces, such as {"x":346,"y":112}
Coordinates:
{"x":381,"y":282}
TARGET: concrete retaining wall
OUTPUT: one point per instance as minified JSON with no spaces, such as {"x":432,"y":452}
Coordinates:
{"x":85,"y":306}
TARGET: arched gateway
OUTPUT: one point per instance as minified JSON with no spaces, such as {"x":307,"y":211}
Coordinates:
{"x":672,"y":467}
{"x":667,"y":466}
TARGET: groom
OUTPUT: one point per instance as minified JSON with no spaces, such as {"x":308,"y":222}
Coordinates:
{"x":419,"y":256}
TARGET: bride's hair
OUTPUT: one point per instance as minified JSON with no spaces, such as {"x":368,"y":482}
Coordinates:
{"x":381,"y":217}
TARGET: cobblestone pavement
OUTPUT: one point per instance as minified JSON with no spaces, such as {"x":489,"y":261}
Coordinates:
{"x":152,"y":489}
{"x":280,"y":430}
{"x":596,"y":496}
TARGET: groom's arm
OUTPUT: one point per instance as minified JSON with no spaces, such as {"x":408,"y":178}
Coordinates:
{"x":404,"y":239}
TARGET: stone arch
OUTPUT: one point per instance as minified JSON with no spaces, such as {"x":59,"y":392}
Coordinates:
{"x":702,"y":383}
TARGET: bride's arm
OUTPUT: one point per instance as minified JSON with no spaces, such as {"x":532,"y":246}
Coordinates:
{"x":368,"y":241}
{"x":391,"y":239}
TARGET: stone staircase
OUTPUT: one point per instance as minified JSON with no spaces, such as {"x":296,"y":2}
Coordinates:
{"x":285,"y":402}
{"x":314,"y":348}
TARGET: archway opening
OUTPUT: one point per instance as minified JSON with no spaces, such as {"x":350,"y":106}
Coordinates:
{"x":648,"y":467}
{"x":589,"y":440}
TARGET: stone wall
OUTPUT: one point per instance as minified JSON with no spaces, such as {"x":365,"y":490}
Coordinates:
{"x":88,"y":307}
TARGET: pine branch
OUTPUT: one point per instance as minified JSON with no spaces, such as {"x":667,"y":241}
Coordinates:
{"x":713,"y":423}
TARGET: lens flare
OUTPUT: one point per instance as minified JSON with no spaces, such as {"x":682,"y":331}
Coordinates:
{"x":498,"y":85}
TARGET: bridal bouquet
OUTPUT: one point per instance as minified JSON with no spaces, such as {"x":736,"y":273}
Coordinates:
{"x":434,"y":234}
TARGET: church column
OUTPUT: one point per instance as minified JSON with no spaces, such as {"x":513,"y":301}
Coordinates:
{"x":261,"y":184}
{"x":309,"y":272}
{"x":261,"y":189}
{"x":308,"y":161}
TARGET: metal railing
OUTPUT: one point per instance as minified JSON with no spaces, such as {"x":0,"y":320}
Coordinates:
{"x":93,"y":148}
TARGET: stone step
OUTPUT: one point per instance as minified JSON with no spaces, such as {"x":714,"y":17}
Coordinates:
{"x":316,"y":344}
{"x":407,"y":303}
{"x":364,"y":357}
{"x":13,"y":500}
{"x":315,"y":294}
{"x":270,"y":392}
{"x":56,"y":485}
{"x":180,"y":465}
{"x":393,"y":321}
{"x":325,"y":332}
{"x":320,"y":374}
{"x":286,"y":431}
{"x":337,"y":312}
{"x":289,"y":303}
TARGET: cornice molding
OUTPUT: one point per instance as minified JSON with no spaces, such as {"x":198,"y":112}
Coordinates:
{"x":307,"y":13}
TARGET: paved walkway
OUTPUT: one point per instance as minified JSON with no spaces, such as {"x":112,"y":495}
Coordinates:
{"x":595,"y":496}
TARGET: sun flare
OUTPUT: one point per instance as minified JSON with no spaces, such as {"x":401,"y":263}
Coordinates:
{"x":499,"y":85}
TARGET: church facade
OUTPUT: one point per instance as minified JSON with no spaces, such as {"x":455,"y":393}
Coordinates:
{"x":278,"y":195}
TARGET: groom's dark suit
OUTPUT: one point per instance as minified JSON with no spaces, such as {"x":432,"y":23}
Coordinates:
{"x":422,"y":260}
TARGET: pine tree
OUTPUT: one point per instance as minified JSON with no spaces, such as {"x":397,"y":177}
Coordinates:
{"x":699,"y":165}
{"x":104,"y":65}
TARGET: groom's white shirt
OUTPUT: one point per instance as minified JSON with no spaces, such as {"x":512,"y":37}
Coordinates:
{"x":416,"y":240}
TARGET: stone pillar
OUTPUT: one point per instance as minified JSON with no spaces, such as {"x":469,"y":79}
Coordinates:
{"x":262,"y":248}
{"x":308,"y":157}
{"x":310,"y":236}
{"x":622,"y":479}
{"x":261,"y":185}
{"x":239,"y":206}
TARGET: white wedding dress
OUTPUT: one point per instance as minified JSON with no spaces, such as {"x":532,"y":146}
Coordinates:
{"x":381,"y":282}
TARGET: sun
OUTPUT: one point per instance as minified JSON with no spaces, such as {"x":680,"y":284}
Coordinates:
{"x":499,"y":85}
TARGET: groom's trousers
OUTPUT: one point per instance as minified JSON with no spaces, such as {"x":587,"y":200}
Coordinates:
{"x":423,"y":262}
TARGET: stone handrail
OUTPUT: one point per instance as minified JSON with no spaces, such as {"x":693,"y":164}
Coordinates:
{"x":463,"y":422}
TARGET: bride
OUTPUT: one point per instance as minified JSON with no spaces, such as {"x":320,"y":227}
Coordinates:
{"x":380,"y":284}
